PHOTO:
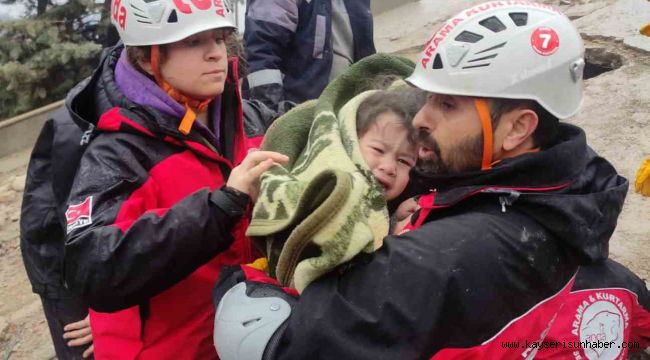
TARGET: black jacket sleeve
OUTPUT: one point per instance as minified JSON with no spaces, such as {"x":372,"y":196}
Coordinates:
{"x":259,"y":116}
{"x":133,"y":249}
{"x":612,"y":274}
{"x":50,"y":173}
{"x":41,"y":235}
{"x":376,"y":309}
{"x":408,"y":299}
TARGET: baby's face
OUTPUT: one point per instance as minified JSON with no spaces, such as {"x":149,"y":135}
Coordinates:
{"x":388,"y":153}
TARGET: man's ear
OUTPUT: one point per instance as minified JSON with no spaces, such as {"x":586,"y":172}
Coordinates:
{"x":521,"y":124}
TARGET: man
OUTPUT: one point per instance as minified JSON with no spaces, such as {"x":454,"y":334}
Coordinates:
{"x":294,"y":48}
{"x":515,"y":202}
{"x":52,"y":168}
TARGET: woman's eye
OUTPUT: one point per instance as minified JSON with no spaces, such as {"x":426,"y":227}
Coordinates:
{"x":447,"y":105}
{"x":193,"y":42}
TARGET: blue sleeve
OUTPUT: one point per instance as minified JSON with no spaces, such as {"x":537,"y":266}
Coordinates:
{"x":270,"y":27}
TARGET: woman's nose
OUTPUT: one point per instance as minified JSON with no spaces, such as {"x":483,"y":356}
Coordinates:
{"x":216,"y":50}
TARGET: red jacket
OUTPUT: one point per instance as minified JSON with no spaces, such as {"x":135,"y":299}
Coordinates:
{"x":149,"y":227}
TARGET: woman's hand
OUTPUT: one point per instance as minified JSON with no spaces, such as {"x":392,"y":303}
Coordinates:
{"x":79,"y":334}
{"x":245,"y":176}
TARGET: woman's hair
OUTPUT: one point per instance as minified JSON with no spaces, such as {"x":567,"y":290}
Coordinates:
{"x":136,"y":54}
{"x":235,"y":46}
{"x":404,"y":102}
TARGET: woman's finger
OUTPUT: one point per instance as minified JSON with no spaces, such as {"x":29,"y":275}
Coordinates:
{"x":77,"y":325}
{"x":260,"y":168}
{"x":81,"y":341}
{"x":88,"y":351}
{"x":254,"y":158}
{"x":75,"y":334}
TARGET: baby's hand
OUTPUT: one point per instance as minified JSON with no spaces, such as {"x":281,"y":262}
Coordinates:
{"x":406,"y":209}
{"x":245,"y":176}
{"x":404,"y":213}
{"x":401,"y":225}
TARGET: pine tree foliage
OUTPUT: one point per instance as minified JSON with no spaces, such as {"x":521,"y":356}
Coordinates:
{"x":43,"y":57}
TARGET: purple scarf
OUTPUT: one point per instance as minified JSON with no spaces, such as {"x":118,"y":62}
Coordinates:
{"x":138,"y":88}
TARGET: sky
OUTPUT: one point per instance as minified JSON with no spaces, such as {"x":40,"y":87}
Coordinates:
{"x":8,"y":12}
{"x":16,"y":11}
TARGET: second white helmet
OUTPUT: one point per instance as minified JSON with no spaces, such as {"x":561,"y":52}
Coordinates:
{"x":157,"y":22}
{"x":506,"y":49}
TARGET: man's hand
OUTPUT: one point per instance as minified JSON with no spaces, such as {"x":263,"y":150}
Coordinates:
{"x":79,"y":334}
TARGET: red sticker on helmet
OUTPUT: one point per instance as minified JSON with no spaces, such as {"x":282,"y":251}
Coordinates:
{"x":118,"y":12}
{"x":201,"y":5}
{"x":545,"y":41}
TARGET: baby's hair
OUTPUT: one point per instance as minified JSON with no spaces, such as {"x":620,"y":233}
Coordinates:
{"x":404,"y":102}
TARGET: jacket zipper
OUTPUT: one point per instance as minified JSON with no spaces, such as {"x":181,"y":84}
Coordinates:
{"x":508,"y":199}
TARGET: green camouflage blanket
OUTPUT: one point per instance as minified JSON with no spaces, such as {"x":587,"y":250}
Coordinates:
{"x":324,"y":207}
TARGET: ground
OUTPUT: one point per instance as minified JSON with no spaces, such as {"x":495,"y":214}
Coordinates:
{"x":615,"y":115}
{"x":23,"y":330}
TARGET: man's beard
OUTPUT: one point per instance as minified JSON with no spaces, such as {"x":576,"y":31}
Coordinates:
{"x":465,"y":156}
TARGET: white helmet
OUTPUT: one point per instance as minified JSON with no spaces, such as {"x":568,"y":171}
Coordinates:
{"x":506,"y":49}
{"x":157,"y":22}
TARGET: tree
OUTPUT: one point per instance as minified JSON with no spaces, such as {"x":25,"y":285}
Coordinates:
{"x":43,"y":56}
{"x":50,"y":50}
{"x":38,"y":6}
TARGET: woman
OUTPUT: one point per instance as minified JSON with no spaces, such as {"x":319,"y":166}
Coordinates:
{"x":159,"y":200}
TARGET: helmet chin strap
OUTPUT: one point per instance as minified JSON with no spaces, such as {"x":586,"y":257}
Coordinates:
{"x":486,"y":122}
{"x":190,"y":103}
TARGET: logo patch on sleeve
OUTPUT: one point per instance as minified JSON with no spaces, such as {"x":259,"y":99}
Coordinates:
{"x":79,"y":215}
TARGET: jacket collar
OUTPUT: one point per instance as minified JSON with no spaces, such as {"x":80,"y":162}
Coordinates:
{"x":567,"y":188}
{"x":553,"y":168}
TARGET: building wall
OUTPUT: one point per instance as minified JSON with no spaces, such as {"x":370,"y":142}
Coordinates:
{"x":20,"y":132}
